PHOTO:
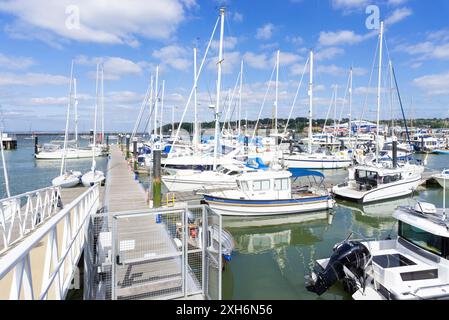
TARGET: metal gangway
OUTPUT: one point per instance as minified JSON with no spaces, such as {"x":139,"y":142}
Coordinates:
{"x":166,"y":253}
{"x":42,"y":242}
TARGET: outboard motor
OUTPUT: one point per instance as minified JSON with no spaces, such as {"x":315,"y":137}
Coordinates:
{"x":350,"y":254}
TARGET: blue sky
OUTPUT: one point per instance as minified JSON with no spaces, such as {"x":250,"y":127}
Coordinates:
{"x":38,"y":41}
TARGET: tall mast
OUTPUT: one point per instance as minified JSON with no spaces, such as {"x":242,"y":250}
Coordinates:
{"x":335,"y":110}
{"x":310,"y":101}
{"x":195,"y":102}
{"x":67,"y":121}
{"x":102,"y":104}
{"x":162,"y":107}
{"x":217,"y":106}
{"x":379,"y":83}
{"x":150,"y":100}
{"x":173,"y":120}
{"x":277,"y":94}
{"x":350,"y":103}
{"x":95,"y":122}
{"x":75,"y":100}
{"x":390,"y":65}
{"x":5,"y":171}
{"x":240,"y":99}
{"x":156,"y":96}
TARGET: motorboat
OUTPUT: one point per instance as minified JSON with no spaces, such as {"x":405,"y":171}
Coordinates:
{"x":412,"y":266}
{"x":69,"y":179}
{"x":371,"y":183}
{"x":193,"y":180}
{"x":442,"y":178}
{"x":56,"y":152}
{"x":321,"y":159}
{"x":265,"y":193}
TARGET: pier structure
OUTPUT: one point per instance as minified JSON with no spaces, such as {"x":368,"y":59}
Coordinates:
{"x":126,"y":249}
{"x":9,"y":141}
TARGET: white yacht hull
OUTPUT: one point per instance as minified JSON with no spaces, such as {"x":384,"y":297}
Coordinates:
{"x":67,"y":181}
{"x":90,"y":178}
{"x":318,"y":164}
{"x":71,"y":154}
{"x":269,"y":209}
{"x":381,"y":193}
{"x":441,"y":180}
{"x":194,"y":182}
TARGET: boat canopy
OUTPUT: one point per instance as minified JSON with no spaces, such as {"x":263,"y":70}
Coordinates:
{"x":298,"y":173}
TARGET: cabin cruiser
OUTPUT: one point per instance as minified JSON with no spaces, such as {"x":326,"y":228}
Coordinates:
{"x":322,"y":158}
{"x":377,"y":182}
{"x":442,"y":178}
{"x":270,"y":193}
{"x":192,"y":180}
{"x":413,"y":266}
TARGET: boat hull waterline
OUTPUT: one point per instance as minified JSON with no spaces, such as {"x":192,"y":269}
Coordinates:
{"x":234,"y":207}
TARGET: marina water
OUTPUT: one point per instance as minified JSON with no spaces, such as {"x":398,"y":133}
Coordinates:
{"x":272,"y":255}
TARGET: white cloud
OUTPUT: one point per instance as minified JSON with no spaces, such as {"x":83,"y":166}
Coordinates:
{"x":265,"y":32}
{"x":398,"y":15}
{"x":286,"y":58}
{"x":257,"y":61}
{"x":9,"y":62}
{"x":396,"y":2}
{"x":342,"y":37}
{"x":426,"y":50}
{"x":229,"y":43}
{"x":230,"y":60}
{"x":435,"y":84}
{"x":349,"y":5}
{"x":174,"y":56}
{"x":329,"y":53}
{"x":32,"y":79}
{"x":111,"y":22}
{"x":237,"y":17}
{"x":114,"y":67}
{"x":295,"y":40}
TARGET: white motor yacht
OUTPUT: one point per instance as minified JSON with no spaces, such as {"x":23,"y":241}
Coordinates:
{"x":412,"y":266}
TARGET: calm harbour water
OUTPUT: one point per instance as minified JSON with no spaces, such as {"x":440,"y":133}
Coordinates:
{"x":272,"y":255}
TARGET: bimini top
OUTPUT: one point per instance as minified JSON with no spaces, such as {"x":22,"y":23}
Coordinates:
{"x":299,"y":173}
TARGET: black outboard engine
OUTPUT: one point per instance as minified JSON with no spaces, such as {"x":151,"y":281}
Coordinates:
{"x":350,"y":254}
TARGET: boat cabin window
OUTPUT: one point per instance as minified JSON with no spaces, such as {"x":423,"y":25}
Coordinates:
{"x":391,"y":179}
{"x":366,"y":177}
{"x":261,"y":185}
{"x":243,"y":185}
{"x":421,"y":238}
{"x":281,"y":184}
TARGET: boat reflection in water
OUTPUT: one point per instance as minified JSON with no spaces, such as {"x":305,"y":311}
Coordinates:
{"x":270,"y":252}
{"x":374,"y":220}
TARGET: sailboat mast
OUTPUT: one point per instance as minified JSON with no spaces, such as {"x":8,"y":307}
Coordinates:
{"x":67,"y":122}
{"x":162,"y":108}
{"x":75,"y":100}
{"x":102,"y":104}
{"x":310,"y":101}
{"x":335,"y":110}
{"x":95,"y":121}
{"x":350,"y":104}
{"x":217,"y":106}
{"x":150,"y":104}
{"x":379,"y":83}
{"x":156,"y":104}
{"x":195,"y":102}
{"x":5,"y":171}
{"x":390,"y":64}
{"x":277,"y":94}
{"x":240,"y":99}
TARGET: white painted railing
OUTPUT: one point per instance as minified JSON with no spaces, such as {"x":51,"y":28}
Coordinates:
{"x":23,"y":213}
{"x":42,"y":265}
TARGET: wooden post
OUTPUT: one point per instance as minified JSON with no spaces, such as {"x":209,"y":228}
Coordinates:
{"x":157,"y":175}
{"x":127,"y":146}
{"x":135,"y":152}
{"x":36,"y":148}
